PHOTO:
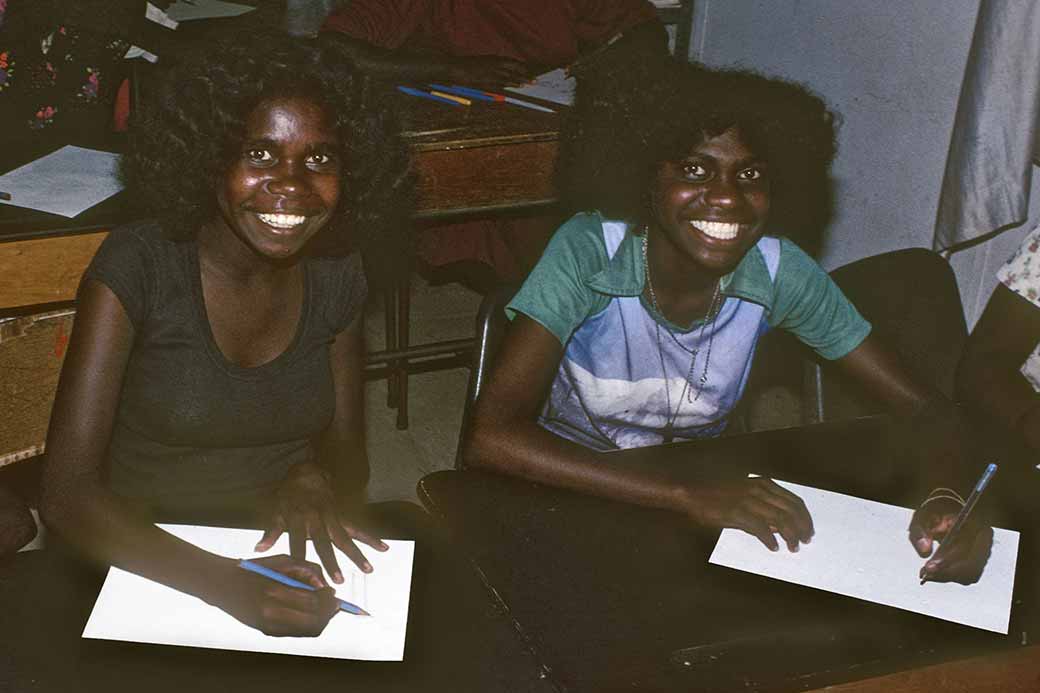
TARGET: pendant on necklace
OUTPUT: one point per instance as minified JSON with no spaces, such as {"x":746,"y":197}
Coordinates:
{"x":668,"y":434}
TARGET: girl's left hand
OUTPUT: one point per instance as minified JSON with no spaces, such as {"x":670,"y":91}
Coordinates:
{"x":965,"y":560}
{"x":305,"y":506}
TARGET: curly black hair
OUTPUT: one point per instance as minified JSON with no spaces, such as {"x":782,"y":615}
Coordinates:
{"x":190,"y":129}
{"x":633,"y":115}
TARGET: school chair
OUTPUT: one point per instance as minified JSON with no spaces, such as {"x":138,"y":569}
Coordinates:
{"x":911,"y":298}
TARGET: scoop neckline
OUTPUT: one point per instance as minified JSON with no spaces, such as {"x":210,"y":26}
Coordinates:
{"x":276,"y":364}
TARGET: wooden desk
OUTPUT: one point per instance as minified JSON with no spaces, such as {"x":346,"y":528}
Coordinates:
{"x":614,"y":597}
{"x":475,"y":161}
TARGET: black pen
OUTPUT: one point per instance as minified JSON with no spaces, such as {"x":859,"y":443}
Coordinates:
{"x":5,"y":196}
{"x":962,"y":516}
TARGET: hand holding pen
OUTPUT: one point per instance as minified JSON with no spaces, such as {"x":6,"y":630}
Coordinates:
{"x":275,"y":607}
{"x":964,"y":544}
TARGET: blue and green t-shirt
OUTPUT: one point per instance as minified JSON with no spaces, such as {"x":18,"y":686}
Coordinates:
{"x":623,"y":379}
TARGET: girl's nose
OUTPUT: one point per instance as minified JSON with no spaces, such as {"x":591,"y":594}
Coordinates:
{"x":722,"y":193}
{"x":285,"y":180}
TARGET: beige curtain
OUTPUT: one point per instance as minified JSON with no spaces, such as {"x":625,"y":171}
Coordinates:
{"x":994,"y":145}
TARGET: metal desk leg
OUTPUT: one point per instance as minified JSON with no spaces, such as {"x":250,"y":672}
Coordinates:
{"x":404,"y":295}
{"x":390,"y":300}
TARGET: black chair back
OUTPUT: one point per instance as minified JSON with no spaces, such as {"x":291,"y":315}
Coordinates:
{"x":911,"y":298}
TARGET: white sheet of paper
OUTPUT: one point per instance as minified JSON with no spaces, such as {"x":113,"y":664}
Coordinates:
{"x":154,"y":14}
{"x":135,"y":609}
{"x":66,"y":182}
{"x":861,"y":550}
{"x":181,"y":11}
{"x":553,"y":86}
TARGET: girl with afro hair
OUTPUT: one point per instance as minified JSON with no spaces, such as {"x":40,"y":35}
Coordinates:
{"x":639,"y":324}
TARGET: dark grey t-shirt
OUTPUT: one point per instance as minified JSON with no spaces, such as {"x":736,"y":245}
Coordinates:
{"x":195,"y":432}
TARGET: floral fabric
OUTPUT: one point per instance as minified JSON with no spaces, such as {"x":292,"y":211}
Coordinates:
{"x":1021,"y":274}
{"x":58,"y":73}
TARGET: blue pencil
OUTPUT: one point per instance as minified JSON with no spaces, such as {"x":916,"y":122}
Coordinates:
{"x":426,"y":95}
{"x":463,"y":91}
{"x":290,"y":582}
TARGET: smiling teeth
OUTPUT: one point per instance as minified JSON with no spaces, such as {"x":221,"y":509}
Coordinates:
{"x":282,"y":221}
{"x":717,"y":229}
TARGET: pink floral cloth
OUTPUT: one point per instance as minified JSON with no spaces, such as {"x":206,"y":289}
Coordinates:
{"x":1021,"y":274}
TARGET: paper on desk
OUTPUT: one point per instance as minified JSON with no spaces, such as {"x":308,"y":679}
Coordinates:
{"x":553,"y":86}
{"x":861,"y":549}
{"x":181,"y":11}
{"x":154,"y":14}
{"x":136,"y":609}
{"x":66,"y":182}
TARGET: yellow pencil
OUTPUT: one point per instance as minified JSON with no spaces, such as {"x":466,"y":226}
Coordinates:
{"x":452,"y":97}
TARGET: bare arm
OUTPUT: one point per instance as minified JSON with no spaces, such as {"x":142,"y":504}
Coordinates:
{"x":506,"y":437}
{"x":76,"y":503}
{"x":989,"y":376}
{"x":939,"y":439}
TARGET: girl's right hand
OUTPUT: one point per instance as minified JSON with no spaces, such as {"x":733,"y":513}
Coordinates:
{"x":757,"y":506}
{"x":273,"y":608}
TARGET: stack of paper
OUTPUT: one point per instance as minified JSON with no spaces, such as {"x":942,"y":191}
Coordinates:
{"x":553,"y":86}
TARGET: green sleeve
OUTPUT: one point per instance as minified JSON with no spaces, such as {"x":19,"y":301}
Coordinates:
{"x":555,"y":294}
{"x":809,"y":304}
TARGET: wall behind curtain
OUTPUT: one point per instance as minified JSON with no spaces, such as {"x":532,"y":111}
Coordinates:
{"x":893,"y":70}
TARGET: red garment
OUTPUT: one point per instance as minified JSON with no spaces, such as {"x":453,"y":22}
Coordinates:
{"x":542,"y":32}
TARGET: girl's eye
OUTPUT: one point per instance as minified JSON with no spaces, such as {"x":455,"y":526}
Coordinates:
{"x":694,"y":171}
{"x":752,"y":174}
{"x":260,"y":156}
{"x":321,"y":159}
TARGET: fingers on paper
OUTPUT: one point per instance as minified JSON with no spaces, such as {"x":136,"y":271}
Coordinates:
{"x":275,"y":529}
{"x":344,"y":535}
{"x":770,"y":509}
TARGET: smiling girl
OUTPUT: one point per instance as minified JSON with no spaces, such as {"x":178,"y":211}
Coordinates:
{"x":639,"y":325}
{"x":215,"y":373}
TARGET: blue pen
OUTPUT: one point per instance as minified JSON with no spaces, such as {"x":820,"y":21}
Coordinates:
{"x":463,"y":91}
{"x":425,"y":95}
{"x":290,"y":582}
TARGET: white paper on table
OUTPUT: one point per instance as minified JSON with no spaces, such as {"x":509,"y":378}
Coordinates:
{"x":66,"y":182}
{"x":138,"y":52}
{"x":135,"y":609}
{"x":181,"y":11}
{"x":553,"y":86}
{"x":860,"y":549}
{"x":154,"y":14}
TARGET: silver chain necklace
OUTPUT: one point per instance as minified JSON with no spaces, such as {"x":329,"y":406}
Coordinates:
{"x":689,"y":392}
